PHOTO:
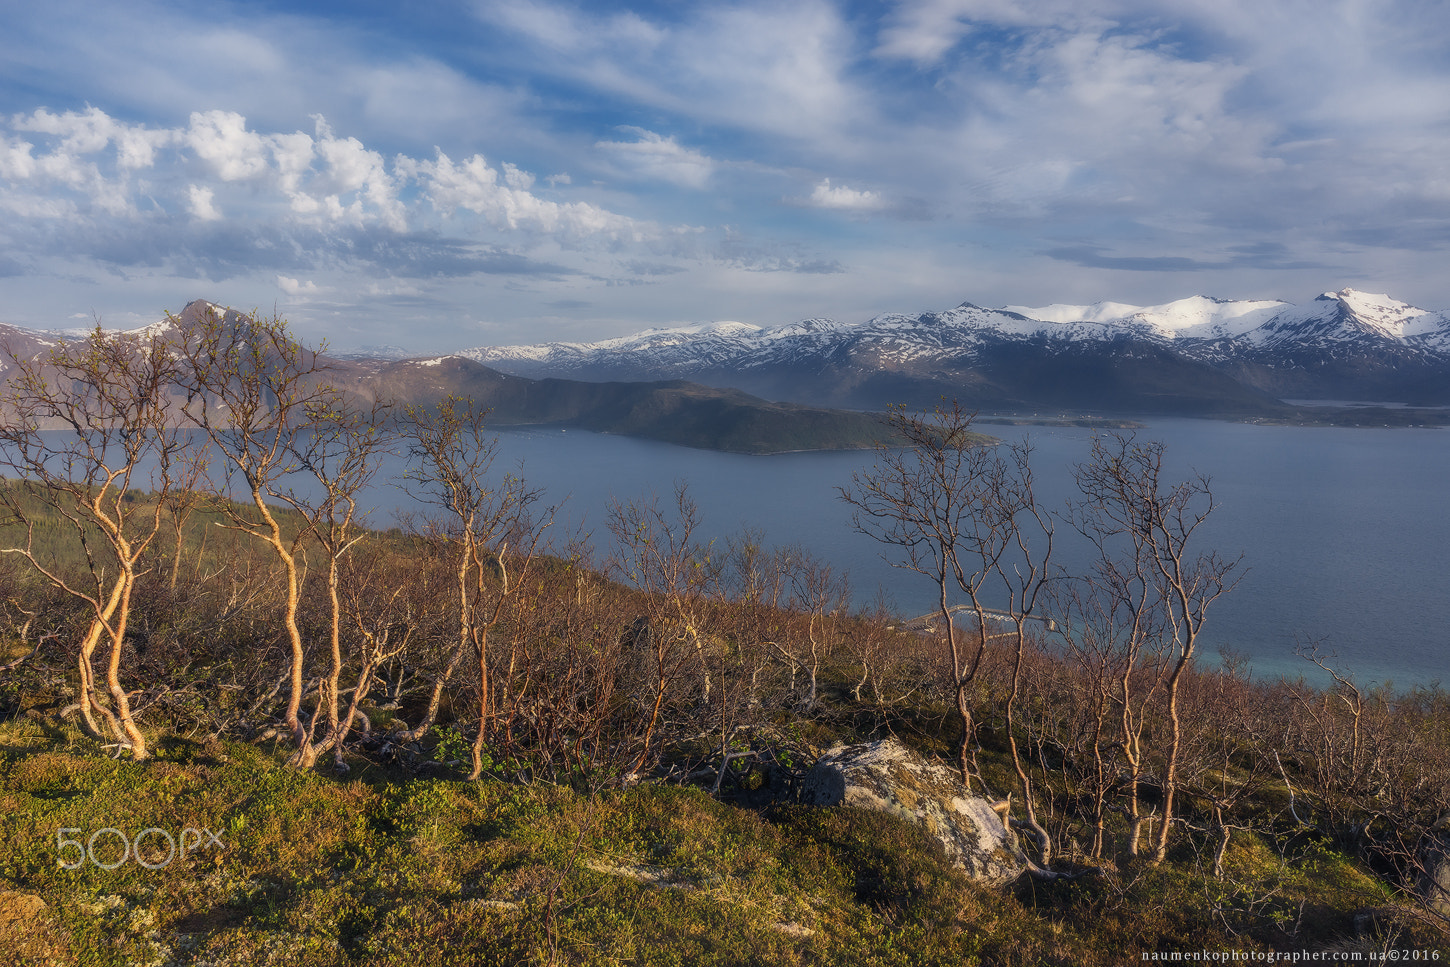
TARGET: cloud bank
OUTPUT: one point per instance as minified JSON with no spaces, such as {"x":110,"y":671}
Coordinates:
{"x":523,"y":169}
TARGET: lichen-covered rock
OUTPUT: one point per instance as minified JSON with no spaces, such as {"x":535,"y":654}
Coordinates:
{"x":888,"y":777}
{"x":1433,"y":860}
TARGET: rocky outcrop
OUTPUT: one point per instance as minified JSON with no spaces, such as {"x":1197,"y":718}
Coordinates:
{"x":888,"y":777}
{"x":1433,"y":860}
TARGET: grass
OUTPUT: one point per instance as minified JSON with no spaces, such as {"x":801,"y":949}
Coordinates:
{"x":390,"y":870}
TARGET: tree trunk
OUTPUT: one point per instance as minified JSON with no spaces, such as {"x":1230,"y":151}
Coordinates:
{"x":1170,"y":775}
{"x":127,"y":580}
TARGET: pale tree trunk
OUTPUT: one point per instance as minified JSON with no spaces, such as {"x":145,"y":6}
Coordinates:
{"x":1029,"y":799}
{"x":176,"y":556}
{"x":327,"y":704}
{"x":1170,"y":776}
{"x":483,"y":705}
{"x":959,"y":687}
{"x":1134,"y":757}
{"x":113,"y":667}
{"x":296,"y":684}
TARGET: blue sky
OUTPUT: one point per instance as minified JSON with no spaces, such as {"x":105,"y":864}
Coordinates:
{"x":446,"y":174}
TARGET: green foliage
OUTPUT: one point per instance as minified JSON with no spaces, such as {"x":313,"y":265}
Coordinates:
{"x":451,"y":747}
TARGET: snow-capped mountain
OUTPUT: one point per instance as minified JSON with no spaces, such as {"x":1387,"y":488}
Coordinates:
{"x":1344,"y":345}
{"x":1195,"y":356}
{"x":1192,"y":354}
{"x":672,"y":411}
{"x":1197,"y":317}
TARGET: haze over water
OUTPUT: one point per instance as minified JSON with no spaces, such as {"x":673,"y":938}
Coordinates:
{"x":1343,"y":531}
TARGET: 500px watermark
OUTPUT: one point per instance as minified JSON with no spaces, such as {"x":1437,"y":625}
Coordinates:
{"x":154,"y":839}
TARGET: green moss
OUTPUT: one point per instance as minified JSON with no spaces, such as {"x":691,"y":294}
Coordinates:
{"x":317,"y":871}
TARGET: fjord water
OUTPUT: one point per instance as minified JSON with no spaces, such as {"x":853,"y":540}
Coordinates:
{"x":1344,"y":532}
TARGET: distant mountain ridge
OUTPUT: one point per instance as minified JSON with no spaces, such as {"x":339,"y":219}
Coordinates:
{"x":1197,"y":355}
{"x":673,"y":411}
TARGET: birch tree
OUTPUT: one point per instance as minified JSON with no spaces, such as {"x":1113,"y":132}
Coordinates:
{"x":478,"y":518}
{"x":84,"y":426}
{"x":956,"y":511}
{"x":1148,"y":532}
{"x":256,"y":393}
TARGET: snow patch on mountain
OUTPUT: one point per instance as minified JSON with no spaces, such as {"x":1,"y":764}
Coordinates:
{"x":1057,"y":312}
{"x":1197,"y":317}
{"x":1395,"y":319}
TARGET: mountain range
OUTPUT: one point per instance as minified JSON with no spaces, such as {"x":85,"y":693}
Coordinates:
{"x":712,"y":385}
{"x":674,"y":411}
{"x":1197,"y":356}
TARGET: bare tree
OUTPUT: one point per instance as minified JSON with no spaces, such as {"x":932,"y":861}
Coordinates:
{"x":823,"y":596}
{"x":1128,"y":505}
{"x":754,"y":578}
{"x":947,"y":507}
{"x":891,"y":658}
{"x":657,"y":552}
{"x":257,"y":393}
{"x":340,"y":456}
{"x":1107,"y":628}
{"x":85,"y":424}
{"x":454,"y":454}
{"x":1022,"y":576}
{"x":390,"y":599}
{"x":1229,"y":761}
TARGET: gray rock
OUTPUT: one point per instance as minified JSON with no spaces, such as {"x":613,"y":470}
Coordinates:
{"x":888,"y":777}
{"x":1433,"y":860}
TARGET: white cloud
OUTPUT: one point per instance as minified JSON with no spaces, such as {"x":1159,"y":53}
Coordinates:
{"x":75,"y":141}
{"x":925,"y":30}
{"x":260,"y":178}
{"x":843,"y":198}
{"x":572,"y":30}
{"x":292,"y":153}
{"x":92,"y":130}
{"x":776,"y":68}
{"x":200,"y":204}
{"x":16,"y":161}
{"x":475,"y":186}
{"x":352,"y":168}
{"x":922,"y":32}
{"x":221,"y":139}
{"x":516,"y":178}
{"x":26,"y":206}
{"x":296,"y":287}
{"x":653,"y":156}
{"x":380,"y":290}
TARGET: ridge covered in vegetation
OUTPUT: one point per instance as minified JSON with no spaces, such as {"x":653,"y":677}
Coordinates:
{"x":454,"y":741}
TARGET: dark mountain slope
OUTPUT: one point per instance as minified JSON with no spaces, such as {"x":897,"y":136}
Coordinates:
{"x":673,"y":411}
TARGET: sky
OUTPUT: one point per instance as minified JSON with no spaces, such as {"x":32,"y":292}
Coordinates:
{"x":442,"y":174}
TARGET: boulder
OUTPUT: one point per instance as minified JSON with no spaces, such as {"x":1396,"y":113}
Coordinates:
{"x":1433,"y":860}
{"x":888,"y":777}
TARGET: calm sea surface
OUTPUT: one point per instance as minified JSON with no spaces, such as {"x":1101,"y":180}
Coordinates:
{"x":1345,"y":532}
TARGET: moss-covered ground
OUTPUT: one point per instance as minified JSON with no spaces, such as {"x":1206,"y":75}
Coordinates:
{"x":379,"y":869}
